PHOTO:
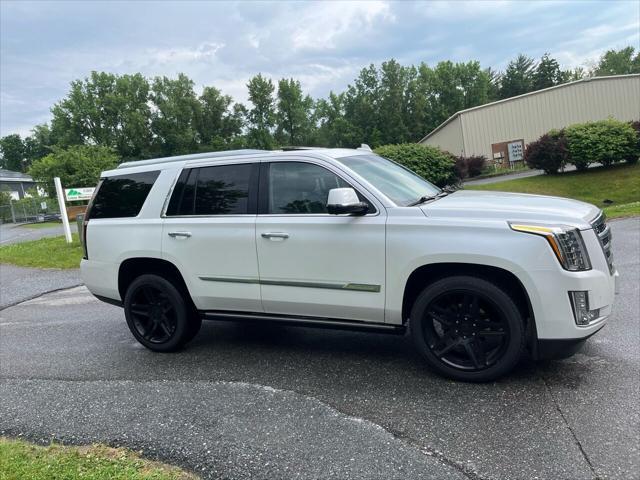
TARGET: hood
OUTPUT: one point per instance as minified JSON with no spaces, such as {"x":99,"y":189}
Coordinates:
{"x":513,"y":207}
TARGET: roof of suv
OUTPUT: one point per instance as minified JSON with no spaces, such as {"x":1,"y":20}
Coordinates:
{"x":330,"y":152}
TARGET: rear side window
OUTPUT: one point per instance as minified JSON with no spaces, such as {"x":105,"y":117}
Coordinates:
{"x":217,"y":190}
{"x":122,"y":195}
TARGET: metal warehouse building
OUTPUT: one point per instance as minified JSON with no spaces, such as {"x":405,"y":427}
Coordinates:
{"x":501,"y":130}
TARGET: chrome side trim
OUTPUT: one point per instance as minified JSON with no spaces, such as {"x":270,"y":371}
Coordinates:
{"x":354,"y":287}
{"x":230,"y":279}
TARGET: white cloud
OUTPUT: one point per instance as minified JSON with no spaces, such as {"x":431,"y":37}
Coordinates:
{"x":204,"y":52}
{"x":322,"y":25}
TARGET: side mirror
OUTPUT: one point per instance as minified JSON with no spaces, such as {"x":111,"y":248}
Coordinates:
{"x":345,"y":200}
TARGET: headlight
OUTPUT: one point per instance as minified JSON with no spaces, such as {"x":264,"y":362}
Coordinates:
{"x":566,"y":242}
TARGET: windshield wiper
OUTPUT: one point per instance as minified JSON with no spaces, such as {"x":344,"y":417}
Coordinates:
{"x":426,"y":198}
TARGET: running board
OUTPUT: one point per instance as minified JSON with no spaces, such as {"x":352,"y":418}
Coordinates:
{"x":314,"y":322}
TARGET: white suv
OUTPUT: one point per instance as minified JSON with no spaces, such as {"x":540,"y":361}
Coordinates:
{"x":346,"y":239}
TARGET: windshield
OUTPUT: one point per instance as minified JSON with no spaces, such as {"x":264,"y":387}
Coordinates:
{"x":392,"y":179}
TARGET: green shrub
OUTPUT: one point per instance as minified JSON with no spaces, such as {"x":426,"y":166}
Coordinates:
{"x":429,"y":162}
{"x":606,"y":142}
{"x":548,"y":153}
{"x":633,"y":158}
{"x":77,"y":166}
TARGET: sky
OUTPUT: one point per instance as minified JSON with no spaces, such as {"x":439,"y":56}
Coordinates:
{"x":44,"y":45}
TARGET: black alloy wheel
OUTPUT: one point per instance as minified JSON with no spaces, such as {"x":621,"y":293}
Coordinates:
{"x":158,"y":315}
{"x":154,"y":316}
{"x":468,"y":328}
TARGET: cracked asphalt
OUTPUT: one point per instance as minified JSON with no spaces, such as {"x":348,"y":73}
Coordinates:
{"x":282,"y":402}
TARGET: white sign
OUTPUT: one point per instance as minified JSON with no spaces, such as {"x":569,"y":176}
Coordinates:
{"x":43,"y":205}
{"x":516,"y":151}
{"x":74,"y":194}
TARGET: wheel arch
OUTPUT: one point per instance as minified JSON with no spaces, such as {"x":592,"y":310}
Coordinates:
{"x":131,"y":268}
{"x":425,"y":275}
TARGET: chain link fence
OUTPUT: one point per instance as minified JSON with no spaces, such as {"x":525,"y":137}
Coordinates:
{"x":27,"y":210}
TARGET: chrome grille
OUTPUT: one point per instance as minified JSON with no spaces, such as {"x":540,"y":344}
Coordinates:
{"x":603,"y":231}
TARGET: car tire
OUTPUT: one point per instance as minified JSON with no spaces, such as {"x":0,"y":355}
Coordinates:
{"x":158,"y":315}
{"x":468,"y":329}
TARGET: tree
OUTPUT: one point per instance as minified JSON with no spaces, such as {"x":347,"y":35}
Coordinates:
{"x":294,"y":114}
{"x":105,"y":109}
{"x":334,"y":129}
{"x":12,"y":151}
{"x":77,"y":166}
{"x":450,"y":87}
{"x":547,"y":73}
{"x":577,"y":73}
{"x":361,"y":106}
{"x":38,"y":144}
{"x":217,"y":122}
{"x":415,"y":105}
{"x":173,"y":120}
{"x":518,"y":77}
{"x":262,"y":116}
{"x":495,"y":79}
{"x":391,"y":92}
{"x":618,"y":62}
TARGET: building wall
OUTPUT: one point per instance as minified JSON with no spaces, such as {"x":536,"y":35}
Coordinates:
{"x":450,"y":137}
{"x":530,"y":116}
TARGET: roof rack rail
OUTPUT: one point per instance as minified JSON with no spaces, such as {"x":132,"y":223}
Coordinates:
{"x":195,"y":156}
{"x":293,"y":148}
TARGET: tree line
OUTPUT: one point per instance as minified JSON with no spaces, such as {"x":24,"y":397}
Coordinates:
{"x":139,"y":118}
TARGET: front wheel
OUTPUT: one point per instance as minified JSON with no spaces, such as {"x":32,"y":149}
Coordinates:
{"x":467,"y":329}
{"x":157,"y":314}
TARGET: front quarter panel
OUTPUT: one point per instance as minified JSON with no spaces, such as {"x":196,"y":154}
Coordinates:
{"x":413,"y":242}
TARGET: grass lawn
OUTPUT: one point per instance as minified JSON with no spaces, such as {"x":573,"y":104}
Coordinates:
{"x":619,"y":184}
{"x":42,"y":225}
{"x":52,"y":252}
{"x":19,"y":459}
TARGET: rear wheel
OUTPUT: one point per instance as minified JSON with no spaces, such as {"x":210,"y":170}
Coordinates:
{"x":158,"y":315}
{"x":468,"y":329}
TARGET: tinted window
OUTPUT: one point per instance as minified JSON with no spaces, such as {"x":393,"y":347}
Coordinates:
{"x":301,"y":188}
{"x":219,"y":190}
{"x":181,"y":202}
{"x":122,"y":195}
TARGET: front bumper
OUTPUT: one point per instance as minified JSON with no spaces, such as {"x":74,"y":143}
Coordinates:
{"x":547,"y":349}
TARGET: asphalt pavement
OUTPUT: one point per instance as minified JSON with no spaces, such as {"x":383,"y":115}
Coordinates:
{"x":285,"y":402}
{"x":18,"y":284}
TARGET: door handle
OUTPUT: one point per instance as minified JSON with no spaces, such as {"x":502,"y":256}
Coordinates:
{"x":275,"y":235}
{"x":179,"y":234}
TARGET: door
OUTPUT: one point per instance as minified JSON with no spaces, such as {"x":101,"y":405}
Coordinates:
{"x":209,"y":233}
{"x":312,"y":263}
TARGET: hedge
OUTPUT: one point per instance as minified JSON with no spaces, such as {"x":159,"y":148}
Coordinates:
{"x":605,"y":142}
{"x":429,"y":162}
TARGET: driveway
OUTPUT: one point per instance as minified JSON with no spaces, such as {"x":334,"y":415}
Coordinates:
{"x":11,"y":233}
{"x":284,"y":402}
{"x":516,"y":175}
